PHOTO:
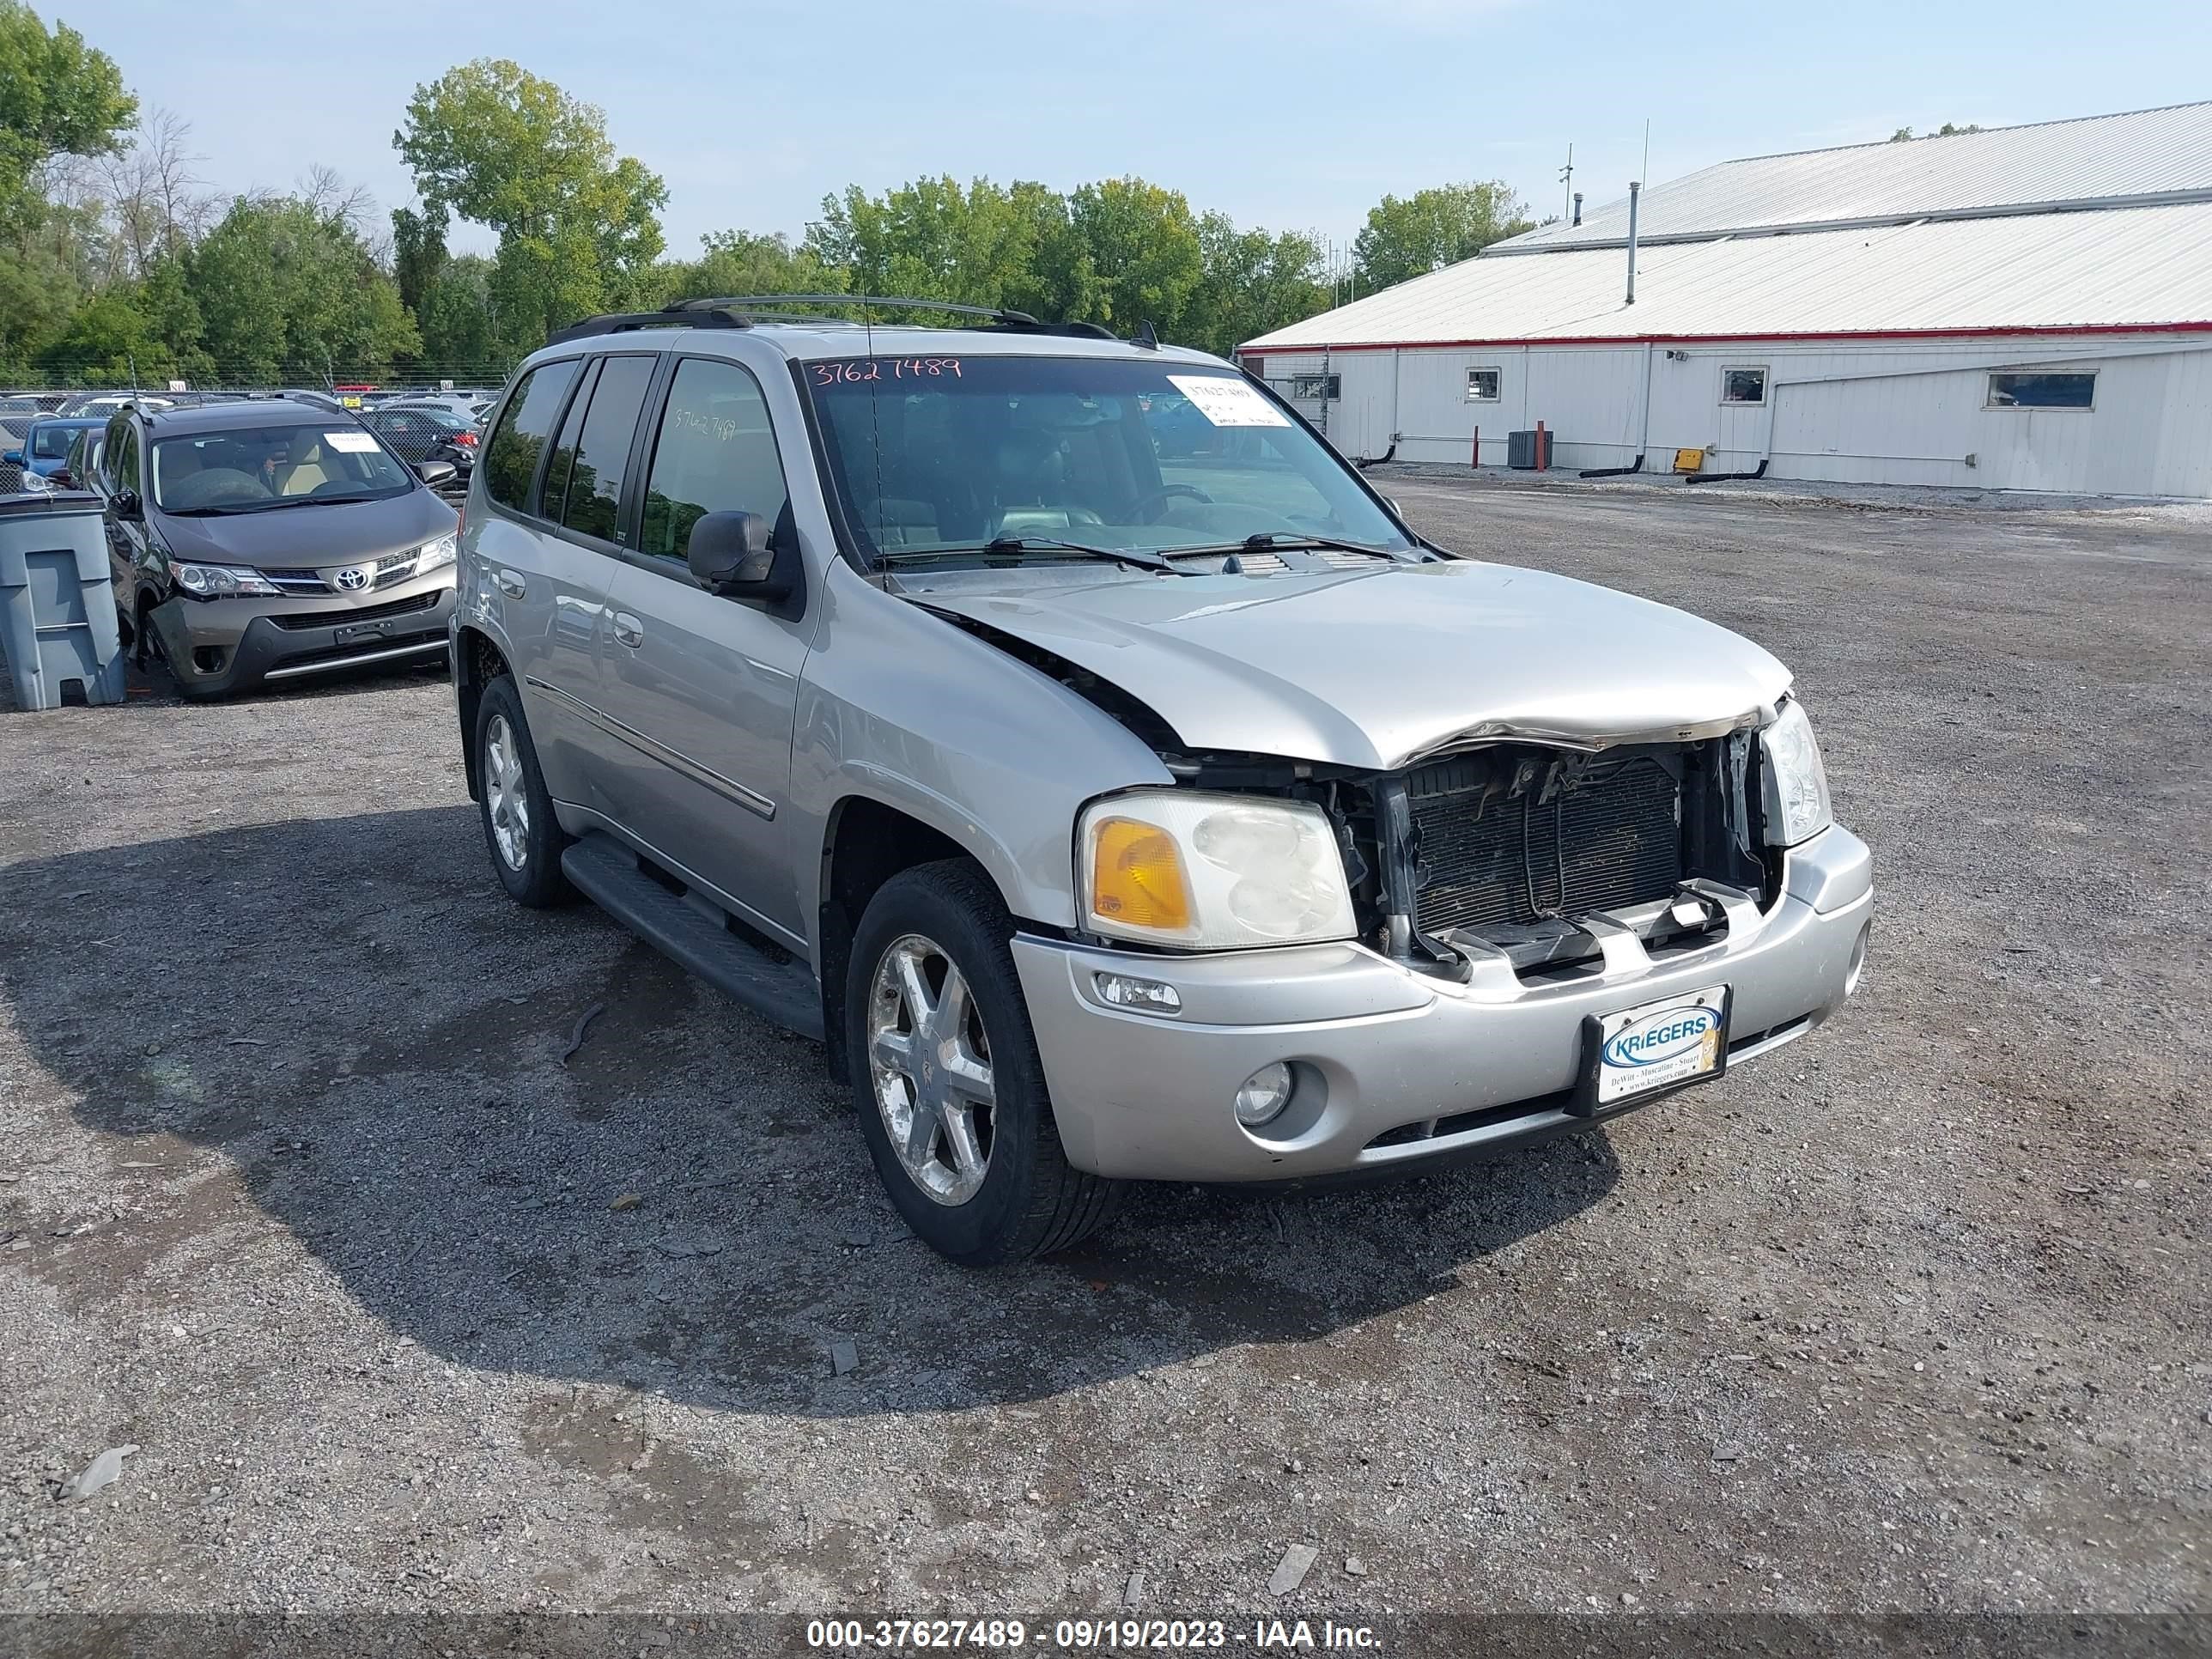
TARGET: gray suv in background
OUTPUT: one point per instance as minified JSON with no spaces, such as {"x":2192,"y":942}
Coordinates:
{"x":269,"y":540}
{"x":1058,"y":729}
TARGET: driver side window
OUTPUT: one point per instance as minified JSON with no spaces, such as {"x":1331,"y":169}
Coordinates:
{"x":715,"y":453}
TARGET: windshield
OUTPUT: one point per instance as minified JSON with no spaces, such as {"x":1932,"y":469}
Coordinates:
{"x":244,"y":469}
{"x":51,"y":443}
{"x":954,"y":453}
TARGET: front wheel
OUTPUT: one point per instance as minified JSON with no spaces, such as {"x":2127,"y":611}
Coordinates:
{"x":947,"y":1082}
{"x":518,"y":826}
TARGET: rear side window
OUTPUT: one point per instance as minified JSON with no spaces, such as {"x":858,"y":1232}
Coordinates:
{"x":510,"y":459}
{"x":715,"y":453}
{"x":595,"y":479}
{"x":123,"y":467}
{"x":562,"y":461}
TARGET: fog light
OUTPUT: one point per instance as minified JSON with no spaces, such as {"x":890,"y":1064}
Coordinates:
{"x":1264,"y":1094}
{"x":1143,"y":996}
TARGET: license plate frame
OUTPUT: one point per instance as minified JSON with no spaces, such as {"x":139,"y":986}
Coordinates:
{"x":1607,"y":1085}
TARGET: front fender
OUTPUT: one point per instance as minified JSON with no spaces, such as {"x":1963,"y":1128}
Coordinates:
{"x":903,"y":708}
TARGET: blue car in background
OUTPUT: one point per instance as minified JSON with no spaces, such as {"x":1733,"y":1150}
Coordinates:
{"x":44,"y":450}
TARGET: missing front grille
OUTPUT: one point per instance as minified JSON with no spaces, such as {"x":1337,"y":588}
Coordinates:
{"x":1513,"y":838}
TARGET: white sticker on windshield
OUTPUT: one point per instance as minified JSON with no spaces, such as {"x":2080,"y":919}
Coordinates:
{"x":350,"y":443}
{"x":1228,"y":403}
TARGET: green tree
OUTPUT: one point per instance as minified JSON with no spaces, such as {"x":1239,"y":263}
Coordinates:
{"x":58,"y":97}
{"x":741,"y":262}
{"x":1134,"y":258}
{"x":934,"y":240}
{"x":1250,"y":282}
{"x":460,"y":330}
{"x":418,"y":253}
{"x":1411,"y":236}
{"x":578,"y":231}
{"x":286,"y":292}
{"x":1948,"y":130}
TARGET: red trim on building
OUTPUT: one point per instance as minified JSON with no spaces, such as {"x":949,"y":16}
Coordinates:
{"x":2054,"y":331}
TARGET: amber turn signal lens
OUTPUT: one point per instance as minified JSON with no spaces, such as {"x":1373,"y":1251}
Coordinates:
{"x":1136,"y":876}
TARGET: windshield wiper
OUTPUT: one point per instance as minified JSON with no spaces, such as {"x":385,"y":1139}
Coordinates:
{"x":1270,"y":541}
{"x":1139,"y":558}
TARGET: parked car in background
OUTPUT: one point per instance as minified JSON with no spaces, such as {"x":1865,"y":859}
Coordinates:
{"x":270,"y":540}
{"x":427,"y":432}
{"x":12,"y":430}
{"x":1111,"y":816}
{"x":43,"y":401}
{"x":106,"y":402}
{"x":42,"y":452}
{"x":83,"y":462}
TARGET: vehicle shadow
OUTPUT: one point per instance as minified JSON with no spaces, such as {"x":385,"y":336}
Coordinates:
{"x":353,"y":1014}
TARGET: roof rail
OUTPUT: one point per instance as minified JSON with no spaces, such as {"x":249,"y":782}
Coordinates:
{"x":743,"y":310}
{"x":746,"y":302}
{"x":622,"y":322}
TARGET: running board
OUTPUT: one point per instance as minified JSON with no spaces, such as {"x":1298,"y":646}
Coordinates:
{"x":694,"y":933}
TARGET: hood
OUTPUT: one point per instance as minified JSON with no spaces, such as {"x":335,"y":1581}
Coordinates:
{"x":1379,"y":668}
{"x":307,"y":537}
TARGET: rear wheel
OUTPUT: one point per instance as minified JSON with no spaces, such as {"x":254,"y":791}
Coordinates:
{"x":519,"y":830}
{"x":946,"y":1079}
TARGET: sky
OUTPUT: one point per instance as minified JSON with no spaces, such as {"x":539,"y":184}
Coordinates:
{"x":1289,"y":114}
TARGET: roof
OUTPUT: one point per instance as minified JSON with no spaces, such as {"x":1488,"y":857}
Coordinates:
{"x":831,"y":337}
{"x":242,"y":416}
{"x":2143,"y":155}
{"x":2145,"y":267}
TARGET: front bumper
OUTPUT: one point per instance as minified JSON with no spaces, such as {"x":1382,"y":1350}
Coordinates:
{"x":218,"y":645}
{"x":1396,"y":1070}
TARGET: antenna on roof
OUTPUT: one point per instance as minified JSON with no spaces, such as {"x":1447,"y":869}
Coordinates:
{"x":1145,"y":336}
{"x":1567,"y":174}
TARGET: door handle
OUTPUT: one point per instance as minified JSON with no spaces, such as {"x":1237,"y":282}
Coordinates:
{"x":627,"y":628}
{"x":507,"y":583}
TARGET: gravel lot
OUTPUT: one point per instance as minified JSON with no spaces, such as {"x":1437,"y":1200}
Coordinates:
{"x":298,"y":1197}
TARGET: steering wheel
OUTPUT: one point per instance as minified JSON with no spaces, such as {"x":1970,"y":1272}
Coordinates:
{"x":1147,"y":509}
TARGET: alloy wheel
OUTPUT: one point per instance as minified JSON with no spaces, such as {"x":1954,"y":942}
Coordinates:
{"x":507,"y":800}
{"x":930,"y":1059}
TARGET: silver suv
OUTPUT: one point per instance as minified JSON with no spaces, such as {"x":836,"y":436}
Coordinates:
{"x":1057,"y":729}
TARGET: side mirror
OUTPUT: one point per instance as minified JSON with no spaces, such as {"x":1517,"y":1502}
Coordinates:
{"x":731,"y":554}
{"x":434,"y":473}
{"x":60,"y":475}
{"x":127,"y":505}
{"x":13,"y":457}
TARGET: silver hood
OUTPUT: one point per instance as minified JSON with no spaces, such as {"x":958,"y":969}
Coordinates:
{"x":1378,"y":668}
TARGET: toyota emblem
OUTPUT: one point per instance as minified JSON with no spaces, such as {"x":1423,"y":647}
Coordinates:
{"x":354,"y":577}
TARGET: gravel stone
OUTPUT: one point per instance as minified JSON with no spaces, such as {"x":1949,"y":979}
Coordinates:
{"x":415,"y":1272}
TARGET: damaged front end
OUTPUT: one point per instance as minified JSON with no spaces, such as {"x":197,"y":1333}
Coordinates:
{"x":1525,"y":859}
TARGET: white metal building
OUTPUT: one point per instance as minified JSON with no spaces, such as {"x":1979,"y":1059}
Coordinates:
{"x":2024,"y":308}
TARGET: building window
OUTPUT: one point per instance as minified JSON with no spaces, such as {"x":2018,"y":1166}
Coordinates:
{"x":1308,"y":387}
{"x":1483,"y":386}
{"x":2075,"y":390}
{"x":1743,"y":385}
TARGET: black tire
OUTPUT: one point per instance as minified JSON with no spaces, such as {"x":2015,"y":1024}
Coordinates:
{"x":536,"y":880}
{"x":1031,"y":1201}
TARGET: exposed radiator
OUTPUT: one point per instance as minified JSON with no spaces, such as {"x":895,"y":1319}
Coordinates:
{"x":1610,"y":836}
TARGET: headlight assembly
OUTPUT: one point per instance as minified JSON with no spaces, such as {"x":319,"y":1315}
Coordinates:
{"x":222,"y":581}
{"x":1796,"y":784}
{"x":1210,"y":873}
{"x":432,"y":556}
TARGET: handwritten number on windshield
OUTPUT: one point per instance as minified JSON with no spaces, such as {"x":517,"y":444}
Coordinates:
{"x":853,"y":369}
